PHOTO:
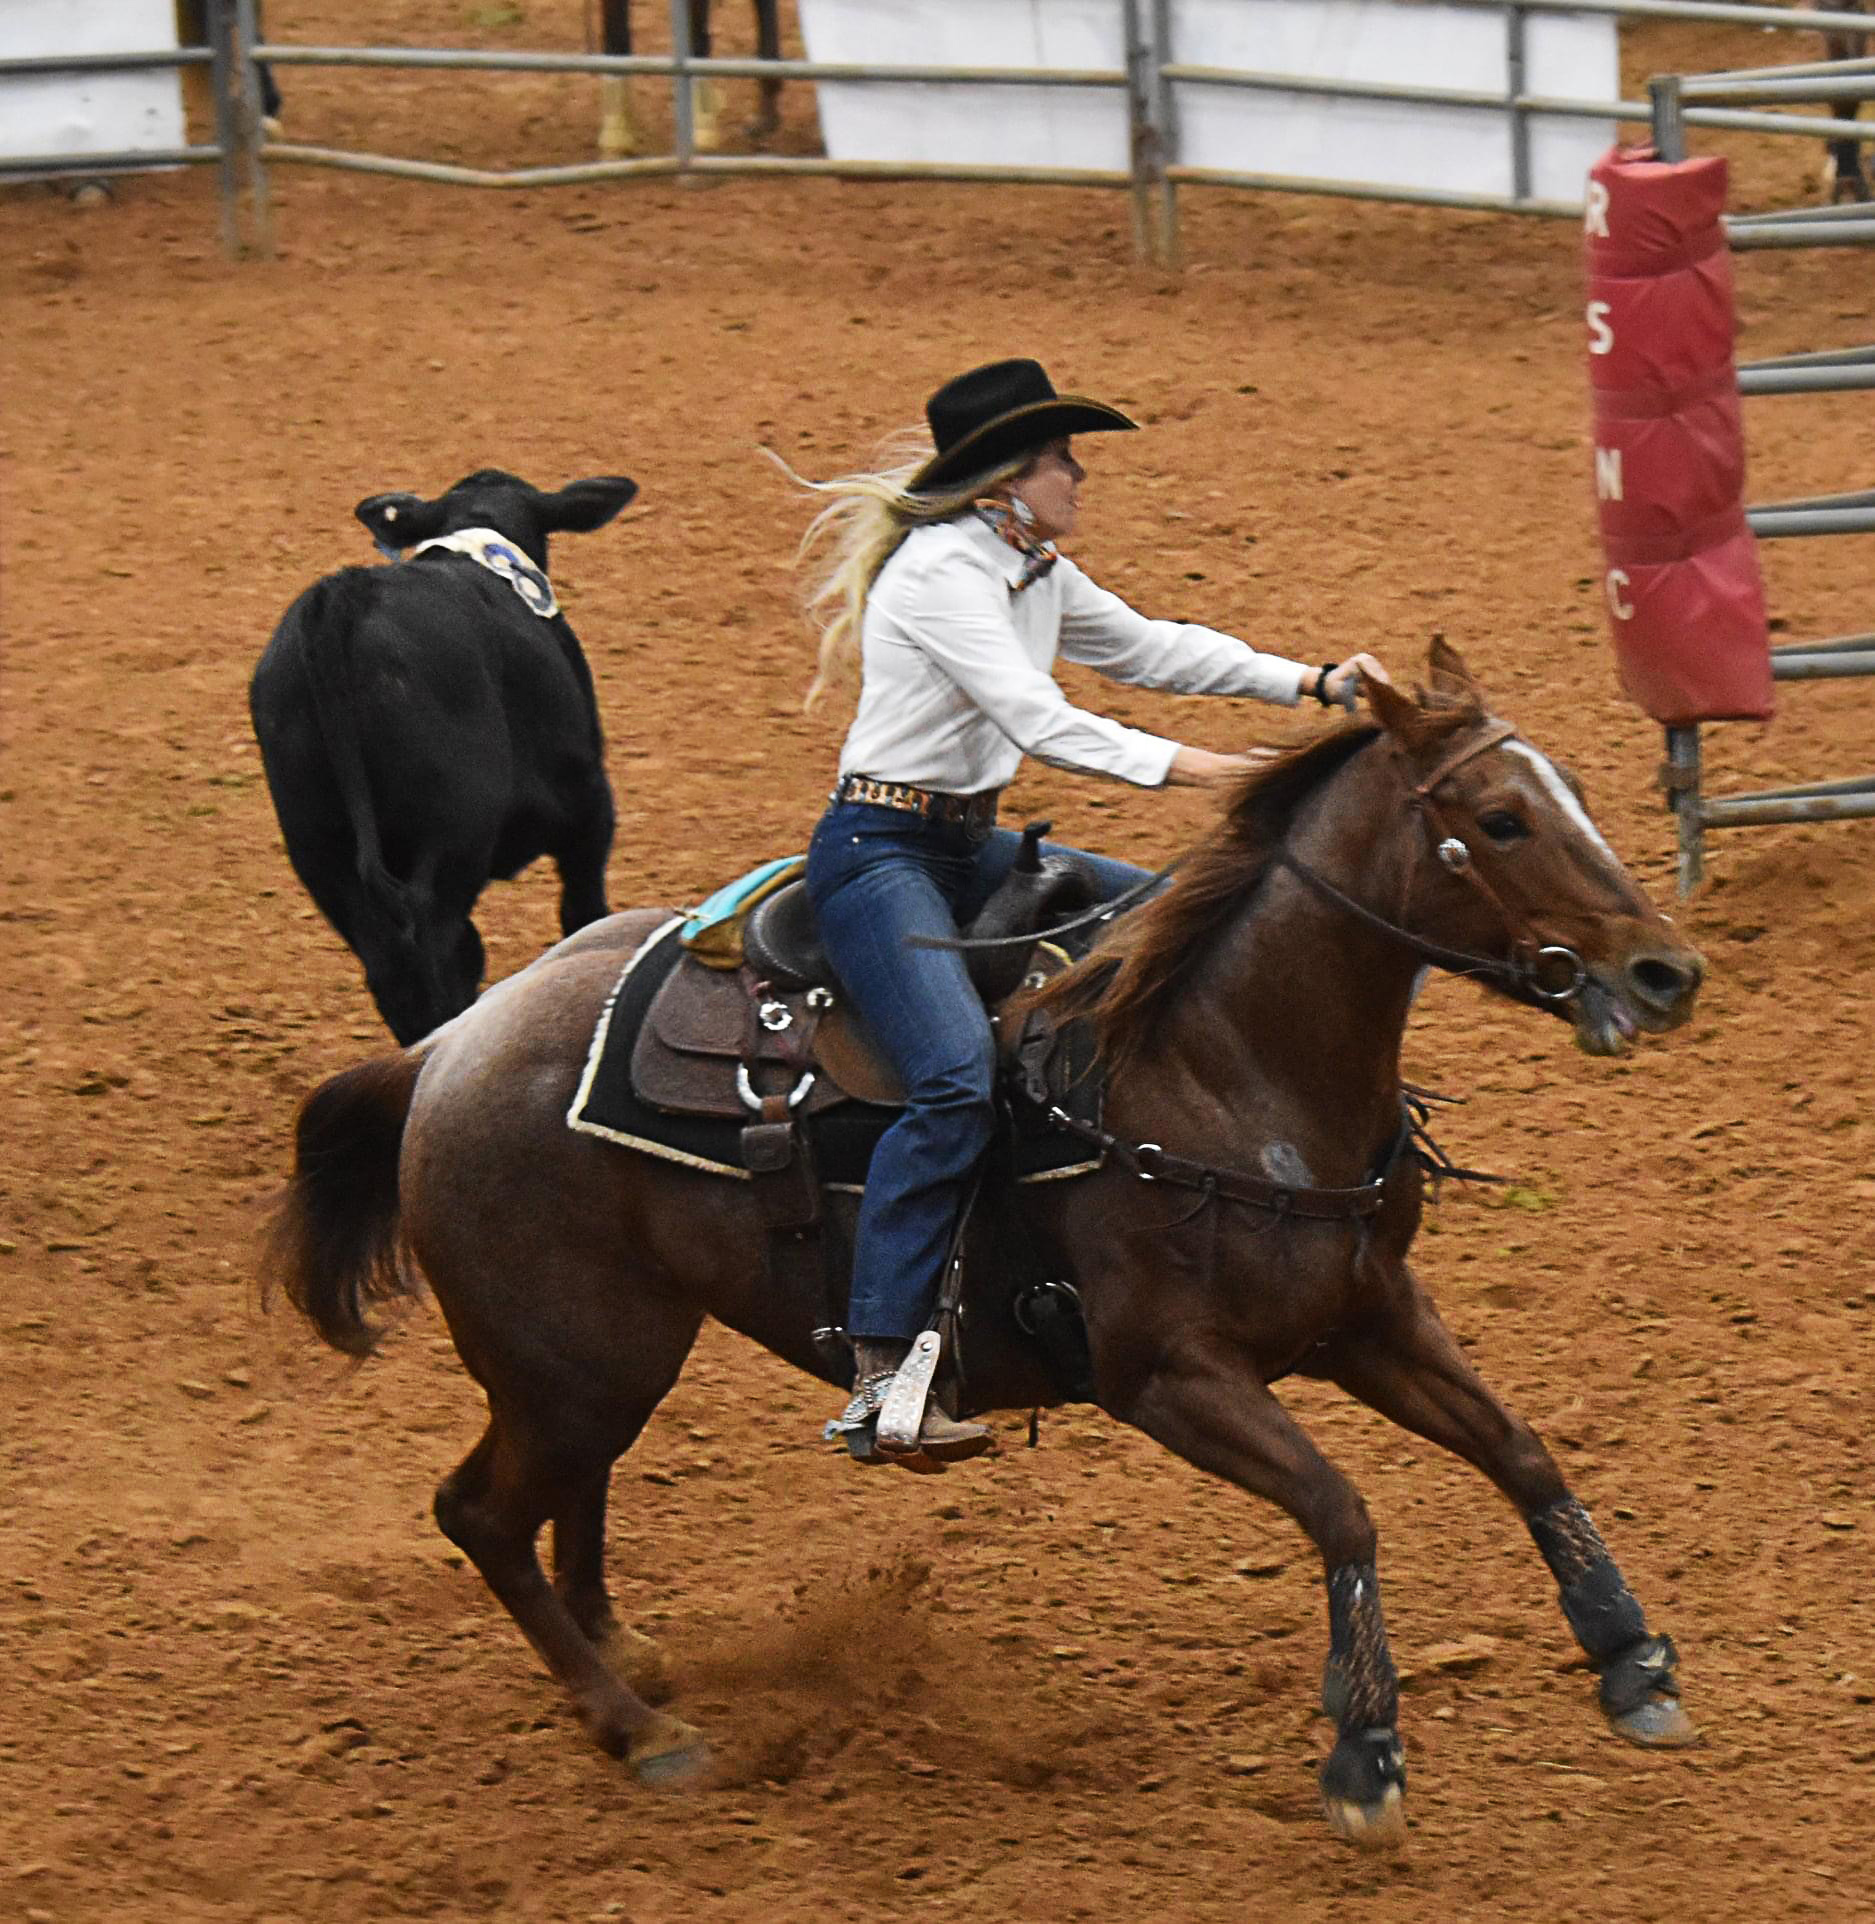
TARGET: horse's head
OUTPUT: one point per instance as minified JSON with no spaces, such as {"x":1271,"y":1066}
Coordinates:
{"x":1512,"y":869}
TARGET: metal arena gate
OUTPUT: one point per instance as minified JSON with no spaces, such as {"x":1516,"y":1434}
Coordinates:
{"x":1756,"y":100}
{"x":1831,"y":370}
{"x":1164,"y":105}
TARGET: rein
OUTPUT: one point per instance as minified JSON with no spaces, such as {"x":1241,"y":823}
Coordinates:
{"x":1534,"y":967}
{"x":1100,"y":912}
{"x":1151,"y":1162}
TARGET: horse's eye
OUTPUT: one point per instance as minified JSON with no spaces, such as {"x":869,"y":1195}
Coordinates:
{"x":1502,"y":826}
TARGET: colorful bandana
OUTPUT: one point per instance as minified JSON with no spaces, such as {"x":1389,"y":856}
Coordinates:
{"x":1013,"y":521}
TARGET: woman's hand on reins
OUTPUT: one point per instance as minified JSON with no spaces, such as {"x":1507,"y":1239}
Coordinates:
{"x":1201,"y":768}
{"x":1347,"y":673}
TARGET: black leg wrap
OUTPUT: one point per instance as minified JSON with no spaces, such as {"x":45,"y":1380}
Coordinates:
{"x":1360,"y":1687}
{"x":1638,"y":1675}
{"x":1602,"y":1611}
{"x":1363,"y":1766}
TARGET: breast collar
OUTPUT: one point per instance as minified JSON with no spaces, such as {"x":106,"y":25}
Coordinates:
{"x":500,"y":556}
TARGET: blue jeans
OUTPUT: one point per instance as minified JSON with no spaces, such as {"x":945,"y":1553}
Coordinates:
{"x":875,"y":876}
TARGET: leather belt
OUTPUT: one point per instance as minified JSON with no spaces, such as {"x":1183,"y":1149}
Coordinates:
{"x":977,"y":813}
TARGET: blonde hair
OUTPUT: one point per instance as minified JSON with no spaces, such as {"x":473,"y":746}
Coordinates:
{"x":866,"y":517}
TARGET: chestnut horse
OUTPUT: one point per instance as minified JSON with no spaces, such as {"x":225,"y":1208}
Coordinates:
{"x":1252,"y":1016}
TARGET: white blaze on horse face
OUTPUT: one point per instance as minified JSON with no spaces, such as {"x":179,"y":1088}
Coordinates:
{"x":1563,"y":796}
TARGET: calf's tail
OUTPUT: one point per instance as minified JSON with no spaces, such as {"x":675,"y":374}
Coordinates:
{"x":335,"y":1243}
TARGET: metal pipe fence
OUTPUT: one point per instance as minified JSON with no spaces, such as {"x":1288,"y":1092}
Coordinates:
{"x":1150,"y":80}
{"x":1824,"y":370}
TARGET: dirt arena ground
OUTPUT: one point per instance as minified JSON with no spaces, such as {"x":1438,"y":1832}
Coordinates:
{"x":249,"y":1681}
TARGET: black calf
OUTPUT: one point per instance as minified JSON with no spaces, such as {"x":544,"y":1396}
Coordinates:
{"x":426,"y":729}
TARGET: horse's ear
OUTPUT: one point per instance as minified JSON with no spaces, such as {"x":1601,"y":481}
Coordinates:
{"x":1398,"y":714}
{"x":1450,"y":675}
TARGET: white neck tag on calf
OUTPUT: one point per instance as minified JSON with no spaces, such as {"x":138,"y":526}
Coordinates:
{"x":500,"y":556}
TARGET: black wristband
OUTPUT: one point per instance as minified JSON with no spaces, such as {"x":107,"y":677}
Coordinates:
{"x":1320,"y":688}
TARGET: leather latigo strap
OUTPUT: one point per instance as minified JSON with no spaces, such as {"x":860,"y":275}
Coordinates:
{"x":1150,"y":1163}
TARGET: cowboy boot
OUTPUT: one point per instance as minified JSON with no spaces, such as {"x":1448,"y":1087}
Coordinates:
{"x":619,"y":137}
{"x":941,"y":1439}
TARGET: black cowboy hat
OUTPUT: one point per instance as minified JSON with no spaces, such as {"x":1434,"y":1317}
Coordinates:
{"x":990,"y":415}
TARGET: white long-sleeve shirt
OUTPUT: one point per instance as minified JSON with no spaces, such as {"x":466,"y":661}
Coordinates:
{"x":956,"y":668}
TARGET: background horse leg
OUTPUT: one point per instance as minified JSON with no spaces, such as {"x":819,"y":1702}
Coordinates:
{"x":618,"y":126}
{"x":706,"y":96}
{"x":1410,"y":1369}
{"x":767,"y":121}
{"x":1845,"y":172}
{"x":1214,"y":1412}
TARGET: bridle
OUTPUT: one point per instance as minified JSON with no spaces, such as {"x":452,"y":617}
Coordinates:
{"x":1547,"y":971}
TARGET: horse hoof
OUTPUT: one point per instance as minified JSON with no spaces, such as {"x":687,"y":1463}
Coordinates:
{"x":640,"y":1663}
{"x":1659,"y":1723}
{"x":668,"y":1754}
{"x":1372,"y":1826}
{"x":1364,"y":1788}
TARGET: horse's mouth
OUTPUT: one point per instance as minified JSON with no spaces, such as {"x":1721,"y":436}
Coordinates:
{"x":1608,"y":1019}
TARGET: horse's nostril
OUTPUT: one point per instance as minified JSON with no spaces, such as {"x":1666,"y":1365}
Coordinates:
{"x":1663,"y":981}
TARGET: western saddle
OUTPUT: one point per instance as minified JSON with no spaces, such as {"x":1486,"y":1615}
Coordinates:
{"x":776,"y":1030}
{"x":773,"y":1043}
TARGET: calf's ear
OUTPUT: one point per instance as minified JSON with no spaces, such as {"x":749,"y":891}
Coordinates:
{"x":582,"y":506}
{"x":400,"y":520}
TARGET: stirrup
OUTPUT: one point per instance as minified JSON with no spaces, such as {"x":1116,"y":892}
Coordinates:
{"x":857,"y":1426}
{"x":901,"y":1413}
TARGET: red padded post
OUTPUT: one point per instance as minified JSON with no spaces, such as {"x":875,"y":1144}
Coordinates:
{"x":1684,"y":593}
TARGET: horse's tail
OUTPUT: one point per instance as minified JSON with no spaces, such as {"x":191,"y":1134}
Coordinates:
{"x":336,"y":1243}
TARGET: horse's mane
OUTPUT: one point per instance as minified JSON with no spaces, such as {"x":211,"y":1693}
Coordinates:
{"x":1124,"y":985}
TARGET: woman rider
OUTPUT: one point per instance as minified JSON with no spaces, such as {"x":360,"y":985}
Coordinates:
{"x":946,"y":585}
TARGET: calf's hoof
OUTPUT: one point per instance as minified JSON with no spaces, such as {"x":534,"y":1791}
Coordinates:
{"x":1364,"y":1789}
{"x":668,"y":1754}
